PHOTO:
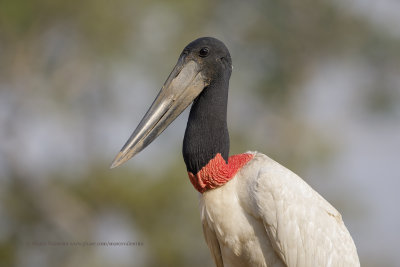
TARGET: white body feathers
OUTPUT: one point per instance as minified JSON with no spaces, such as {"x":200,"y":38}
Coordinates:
{"x":268,"y":216}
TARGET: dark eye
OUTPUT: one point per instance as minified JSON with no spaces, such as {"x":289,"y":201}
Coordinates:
{"x":203,"y":52}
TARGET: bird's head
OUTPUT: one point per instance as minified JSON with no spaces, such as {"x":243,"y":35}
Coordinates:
{"x":212,"y":56}
{"x":200,"y":64}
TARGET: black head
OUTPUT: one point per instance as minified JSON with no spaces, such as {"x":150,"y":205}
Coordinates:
{"x":211,"y":54}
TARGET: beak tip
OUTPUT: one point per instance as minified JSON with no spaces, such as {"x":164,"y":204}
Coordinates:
{"x":121,"y":158}
{"x":114,"y":164}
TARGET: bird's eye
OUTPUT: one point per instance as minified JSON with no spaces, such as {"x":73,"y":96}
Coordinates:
{"x":203,"y":52}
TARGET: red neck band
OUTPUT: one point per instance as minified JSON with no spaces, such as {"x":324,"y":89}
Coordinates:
{"x":216,"y":173}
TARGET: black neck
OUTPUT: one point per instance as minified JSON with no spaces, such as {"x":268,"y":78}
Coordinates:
{"x":206,"y":133}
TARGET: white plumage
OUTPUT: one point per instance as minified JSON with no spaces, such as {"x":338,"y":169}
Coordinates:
{"x":268,"y":216}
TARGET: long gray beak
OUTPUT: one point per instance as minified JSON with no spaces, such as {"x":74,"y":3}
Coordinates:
{"x":183,"y":85}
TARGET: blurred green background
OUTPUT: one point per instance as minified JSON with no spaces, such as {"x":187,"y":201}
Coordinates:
{"x":315,"y":85}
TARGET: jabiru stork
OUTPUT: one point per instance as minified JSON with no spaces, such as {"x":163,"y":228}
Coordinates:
{"x":254,"y":211}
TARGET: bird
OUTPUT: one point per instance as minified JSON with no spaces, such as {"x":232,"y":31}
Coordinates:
{"x":254,"y":211}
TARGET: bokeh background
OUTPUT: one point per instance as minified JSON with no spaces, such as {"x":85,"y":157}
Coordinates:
{"x":315,"y":86}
